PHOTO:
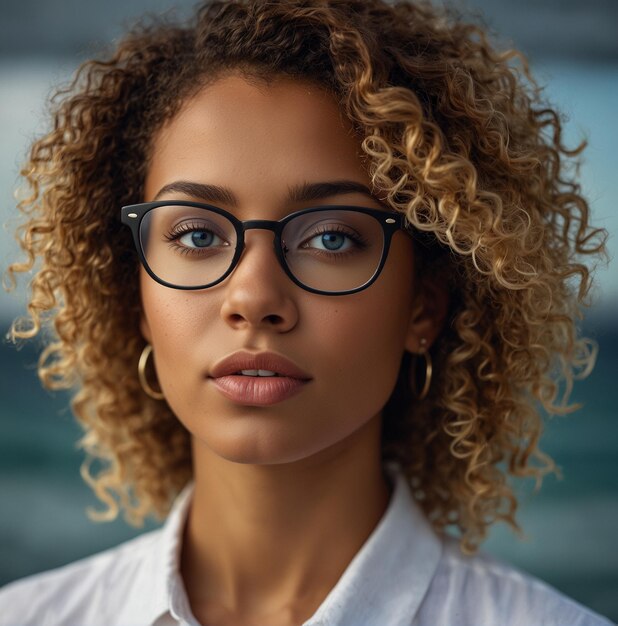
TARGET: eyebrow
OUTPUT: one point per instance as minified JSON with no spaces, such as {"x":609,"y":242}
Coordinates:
{"x":303,"y":192}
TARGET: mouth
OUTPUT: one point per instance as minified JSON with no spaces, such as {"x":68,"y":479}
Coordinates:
{"x":258,"y":378}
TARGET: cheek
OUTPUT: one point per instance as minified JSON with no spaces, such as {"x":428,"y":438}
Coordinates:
{"x":379,"y":315}
{"x":366,"y":330}
{"x":364,"y":339}
{"x":176,"y":322}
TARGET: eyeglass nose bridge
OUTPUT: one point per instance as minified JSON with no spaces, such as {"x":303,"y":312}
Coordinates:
{"x":271,"y":225}
{"x":262,"y":224}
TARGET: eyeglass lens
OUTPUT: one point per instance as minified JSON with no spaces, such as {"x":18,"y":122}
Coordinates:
{"x":332,"y":250}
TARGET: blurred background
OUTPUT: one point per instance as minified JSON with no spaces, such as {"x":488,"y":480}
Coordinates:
{"x":570,"y":524}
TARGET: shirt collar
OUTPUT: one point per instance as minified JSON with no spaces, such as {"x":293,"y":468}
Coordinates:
{"x":389,"y":576}
{"x":159,"y":589}
{"x":385,"y":582}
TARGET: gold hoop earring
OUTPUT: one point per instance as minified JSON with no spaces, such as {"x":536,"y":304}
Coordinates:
{"x":141,"y":372}
{"x":428,"y":373}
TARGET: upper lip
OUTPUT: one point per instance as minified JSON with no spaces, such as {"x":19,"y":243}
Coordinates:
{"x":271,"y":361}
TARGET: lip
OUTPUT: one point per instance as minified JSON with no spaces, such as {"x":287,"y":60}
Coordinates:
{"x":258,"y":391}
{"x":243,"y":360}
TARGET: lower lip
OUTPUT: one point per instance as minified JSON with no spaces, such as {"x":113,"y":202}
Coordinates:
{"x":258,"y":390}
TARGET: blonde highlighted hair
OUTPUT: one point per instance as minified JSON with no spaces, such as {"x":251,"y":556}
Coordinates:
{"x":456,"y":136}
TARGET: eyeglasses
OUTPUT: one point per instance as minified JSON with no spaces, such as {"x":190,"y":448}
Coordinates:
{"x":331,"y":250}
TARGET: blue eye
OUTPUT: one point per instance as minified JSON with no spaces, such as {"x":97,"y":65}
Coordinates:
{"x":333,"y":239}
{"x":198,"y":238}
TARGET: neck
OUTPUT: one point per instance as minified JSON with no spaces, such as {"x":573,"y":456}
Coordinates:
{"x":260,"y":538}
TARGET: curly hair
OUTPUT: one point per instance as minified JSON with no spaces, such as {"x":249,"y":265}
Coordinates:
{"x":456,"y":137}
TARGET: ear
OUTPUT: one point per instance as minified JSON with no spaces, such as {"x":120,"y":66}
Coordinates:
{"x":144,"y":327}
{"x":427,"y":314}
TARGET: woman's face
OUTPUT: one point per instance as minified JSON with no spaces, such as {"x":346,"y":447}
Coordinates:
{"x":258,"y":142}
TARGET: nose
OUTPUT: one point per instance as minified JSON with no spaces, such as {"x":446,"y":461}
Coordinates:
{"x":258,"y":292}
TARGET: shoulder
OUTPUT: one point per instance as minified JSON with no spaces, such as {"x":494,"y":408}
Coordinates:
{"x":77,"y":592}
{"x":482,"y":590}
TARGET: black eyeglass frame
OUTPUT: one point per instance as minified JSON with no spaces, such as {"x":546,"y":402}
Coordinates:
{"x":391,"y":222}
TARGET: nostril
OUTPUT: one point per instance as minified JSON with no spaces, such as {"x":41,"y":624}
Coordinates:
{"x":274,"y":319}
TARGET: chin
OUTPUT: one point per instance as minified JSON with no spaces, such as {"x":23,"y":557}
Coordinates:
{"x":256,"y":446}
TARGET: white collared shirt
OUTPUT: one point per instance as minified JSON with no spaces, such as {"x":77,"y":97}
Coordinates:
{"x":404,"y":575}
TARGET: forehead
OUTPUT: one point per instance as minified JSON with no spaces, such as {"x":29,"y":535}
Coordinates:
{"x":234,"y":128}
{"x":282,"y":99}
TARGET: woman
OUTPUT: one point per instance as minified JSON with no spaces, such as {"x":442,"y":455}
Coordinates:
{"x":312,"y":265}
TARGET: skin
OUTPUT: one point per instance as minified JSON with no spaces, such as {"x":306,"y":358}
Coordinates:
{"x":285,"y":495}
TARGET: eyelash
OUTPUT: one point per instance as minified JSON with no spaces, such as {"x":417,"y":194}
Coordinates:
{"x":186,"y":227}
